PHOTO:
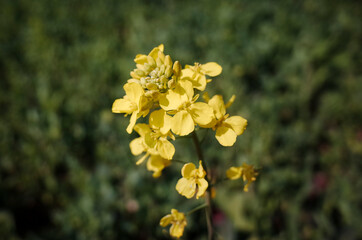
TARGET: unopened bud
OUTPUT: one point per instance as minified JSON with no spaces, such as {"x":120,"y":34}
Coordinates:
{"x":168,"y":72}
{"x":139,"y":72}
{"x":134,"y":75}
{"x":151,"y":86}
{"x":168,"y":61}
{"x":161,"y":56}
{"x":177,"y":68}
{"x":151,"y":61}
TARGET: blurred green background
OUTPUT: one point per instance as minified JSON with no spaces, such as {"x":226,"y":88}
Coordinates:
{"x":66,"y":171}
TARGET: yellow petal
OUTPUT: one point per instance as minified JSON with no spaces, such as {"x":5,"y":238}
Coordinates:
{"x":136,"y":146}
{"x":165,"y":148}
{"x":166,"y":220}
{"x":187,"y":170}
{"x":142,"y":129}
{"x":200,"y":82}
{"x":182,"y":123}
{"x":186,"y":187}
{"x":123,"y":106}
{"x":150,"y":141}
{"x":201,"y":113}
{"x":237,"y":123}
{"x":132,"y":122}
{"x":160,"y":120}
{"x":177,"y":230}
{"x":142,"y":159}
{"x":134,"y":91}
{"x":187,"y":74}
{"x":230,"y":102}
{"x":171,"y":100}
{"x":185,"y":87}
{"x":200,"y":171}
{"x":234,"y":173}
{"x":156,"y":164}
{"x":225,"y":136}
{"x":217,"y":103}
{"x":212,"y":69}
{"x":202,"y":185}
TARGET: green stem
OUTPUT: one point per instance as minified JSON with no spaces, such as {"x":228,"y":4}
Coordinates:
{"x":210,"y":228}
{"x":179,"y":161}
{"x":197,"y":208}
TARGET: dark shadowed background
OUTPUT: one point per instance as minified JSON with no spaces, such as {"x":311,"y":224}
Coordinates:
{"x":66,"y":171}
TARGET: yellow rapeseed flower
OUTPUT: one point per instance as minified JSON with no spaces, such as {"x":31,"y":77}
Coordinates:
{"x":134,"y":102}
{"x":227,"y":128}
{"x":178,"y":223}
{"x":152,"y":141}
{"x":155,"y":72}
{"x":192,"y":181}
{"x":182,"y":102}
{"x":246,"y":171}
{"x":197,"y":74}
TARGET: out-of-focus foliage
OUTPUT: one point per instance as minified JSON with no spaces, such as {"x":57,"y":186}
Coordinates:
{"x":66,"y":171}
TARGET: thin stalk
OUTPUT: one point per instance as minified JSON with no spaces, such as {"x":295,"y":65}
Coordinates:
{"x":197,"y":208}
{"x":210,"y":228}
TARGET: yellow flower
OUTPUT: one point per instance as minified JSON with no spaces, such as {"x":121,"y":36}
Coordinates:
{"x":181,"y":102}
{"x":227,"y":128}
{"x":134,"y":102}
{"x":246,"y":171}
{"x":159,"y":151}
{"x":193,"y":181}
{"x":177,"y":220}
{"x":155,"y":72}
{"x":196,"y":74}
{"x":151,"y":141}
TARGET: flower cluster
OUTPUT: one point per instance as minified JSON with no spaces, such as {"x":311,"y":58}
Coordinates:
{"x":170,"y":96}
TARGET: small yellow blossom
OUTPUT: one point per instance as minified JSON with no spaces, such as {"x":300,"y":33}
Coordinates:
{"x":159,"y":151}
{"x":177,"y":220}
{"x":134,"y":102}
{"x":192,"y":181}
{"x":155,"y":72}
{"x":196,"y":74}
{"x":151,"y":141}
{"x":247,"y":172}
{"x":182,"y":102}
{"x":227,"y":128}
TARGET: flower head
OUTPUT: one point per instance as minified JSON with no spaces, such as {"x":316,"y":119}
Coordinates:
{"x":247,"y":172}
{"x":155,"y":72}
{"x":227,"y":128}
{"x":197,"y":74}
{"x":177,"y":220}
{"x":192,"y":181}
{"x":134,"y":102}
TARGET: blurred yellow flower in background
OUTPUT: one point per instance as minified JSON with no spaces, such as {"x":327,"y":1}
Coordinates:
{"x":246,"y":171}
{"x":177,"y":220}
